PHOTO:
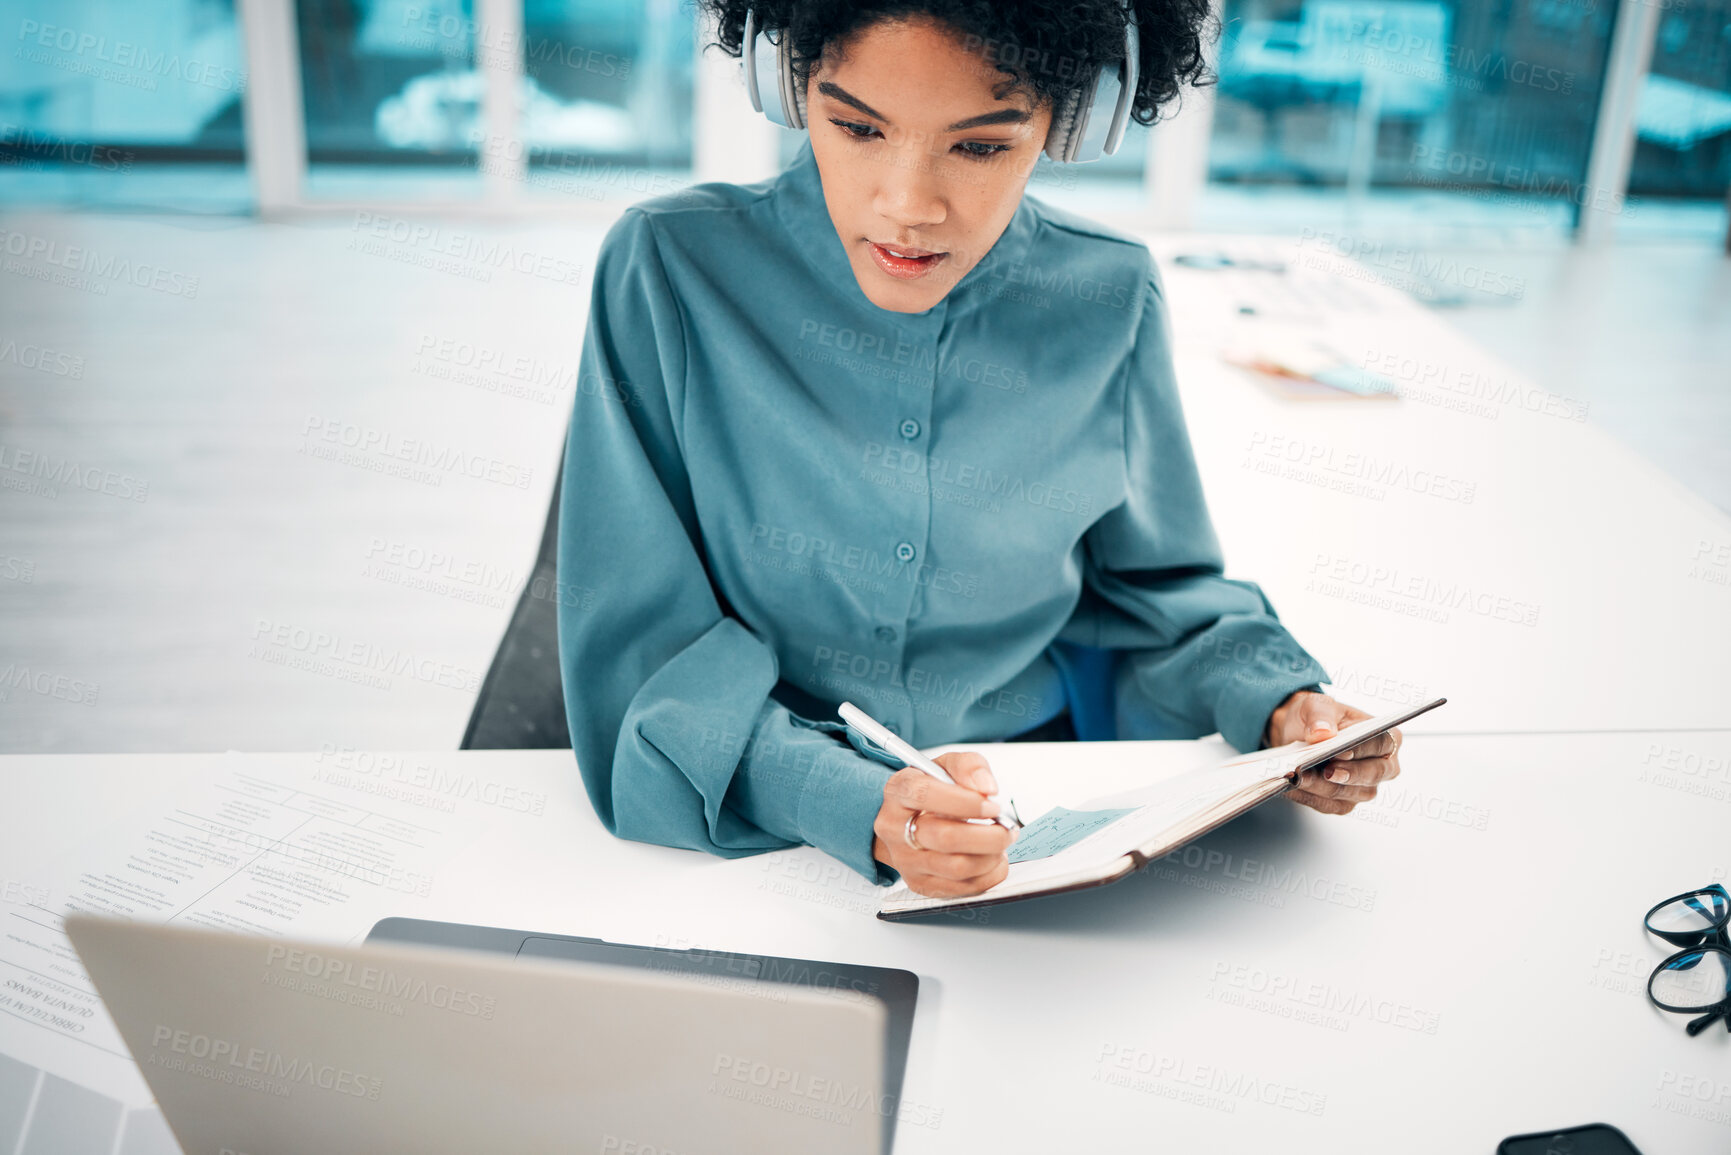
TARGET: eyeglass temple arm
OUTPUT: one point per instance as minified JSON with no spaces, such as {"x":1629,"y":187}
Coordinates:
{"x":1706,"y":1020}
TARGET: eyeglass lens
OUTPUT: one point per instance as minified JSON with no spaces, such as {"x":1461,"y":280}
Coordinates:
{"x":1698,"y":980}
{"x":1692,"y":912}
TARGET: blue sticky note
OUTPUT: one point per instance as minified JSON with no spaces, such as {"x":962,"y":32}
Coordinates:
{"x":1059,"y":829}
{"x":1356,"y":381}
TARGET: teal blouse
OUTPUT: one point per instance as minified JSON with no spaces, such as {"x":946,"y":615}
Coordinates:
{"x":778,"y":496}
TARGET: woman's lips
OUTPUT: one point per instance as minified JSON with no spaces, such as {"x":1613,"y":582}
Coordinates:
{"x":910,"y":264}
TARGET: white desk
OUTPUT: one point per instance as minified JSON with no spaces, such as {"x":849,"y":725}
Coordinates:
{"x":1473,"y":940}
{"x":1628,"y":574}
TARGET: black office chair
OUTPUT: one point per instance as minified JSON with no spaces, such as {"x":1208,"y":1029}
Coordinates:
{"x":521,"y":705}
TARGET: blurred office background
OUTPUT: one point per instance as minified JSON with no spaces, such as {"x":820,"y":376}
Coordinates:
{"x":242,"y":236}
{"x":1350,"y":101}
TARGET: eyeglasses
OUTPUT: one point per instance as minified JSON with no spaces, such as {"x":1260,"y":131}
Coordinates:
{"x":1698,"y":978}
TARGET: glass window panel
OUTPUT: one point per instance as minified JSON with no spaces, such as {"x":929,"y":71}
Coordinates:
{"x":609,"y":96}
{"x":1460,"y":95}
{"x":1683,"y":124}
{"x":128,"y":102}
{"x":392,"y":98}
{"x":385,"y":78}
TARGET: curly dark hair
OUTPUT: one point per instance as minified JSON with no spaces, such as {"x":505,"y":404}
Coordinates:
{"x":1038,"y":45}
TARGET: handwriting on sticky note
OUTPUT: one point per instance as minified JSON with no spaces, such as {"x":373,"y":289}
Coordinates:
{"x":1059,"y":829}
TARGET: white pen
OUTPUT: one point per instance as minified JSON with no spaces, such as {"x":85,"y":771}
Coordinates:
{"x":881,"y":734}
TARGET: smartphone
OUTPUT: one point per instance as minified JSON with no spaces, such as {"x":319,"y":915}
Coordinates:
{"x":1592,"y":1139}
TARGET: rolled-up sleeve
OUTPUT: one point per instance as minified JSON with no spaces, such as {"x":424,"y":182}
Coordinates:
{"x":667,"y":696}
{"x":1203,"y":652}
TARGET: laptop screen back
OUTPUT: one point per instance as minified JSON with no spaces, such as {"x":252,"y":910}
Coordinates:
{"x":256,"y":1046}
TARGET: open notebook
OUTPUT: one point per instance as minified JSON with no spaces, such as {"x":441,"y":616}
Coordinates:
{"x":1102,"y":840}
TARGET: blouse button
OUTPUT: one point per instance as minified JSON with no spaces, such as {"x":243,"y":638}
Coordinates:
{"x":910,"y":429}
{"x":905,"y":551}
{"x":885,"y":634}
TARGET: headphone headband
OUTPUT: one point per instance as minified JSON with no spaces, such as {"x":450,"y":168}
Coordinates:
{"x":1087,"y":124}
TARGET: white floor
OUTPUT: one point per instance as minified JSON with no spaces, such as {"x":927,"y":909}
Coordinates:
{"x":250,"y":552}
{"x":190,"y":561}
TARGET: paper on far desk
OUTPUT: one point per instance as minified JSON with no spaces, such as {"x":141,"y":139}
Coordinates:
{"x":276,"y":852}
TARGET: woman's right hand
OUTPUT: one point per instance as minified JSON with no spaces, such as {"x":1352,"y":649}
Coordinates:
{"x":954,"y":858}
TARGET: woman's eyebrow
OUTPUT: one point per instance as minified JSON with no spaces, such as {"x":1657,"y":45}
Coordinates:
{"x":1000,"y":116}
{"x":837,"y":92}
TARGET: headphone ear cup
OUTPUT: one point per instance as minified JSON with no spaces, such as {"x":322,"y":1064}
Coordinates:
{"x":764,"y":79}
{"x":792,"y":95}
{"x":1059,"y":138}
{"x":1093,"y":118}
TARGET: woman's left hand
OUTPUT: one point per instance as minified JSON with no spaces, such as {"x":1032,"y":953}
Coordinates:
{"x":1343,"y":782}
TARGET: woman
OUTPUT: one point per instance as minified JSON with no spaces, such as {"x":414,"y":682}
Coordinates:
{"x":883,"y":429}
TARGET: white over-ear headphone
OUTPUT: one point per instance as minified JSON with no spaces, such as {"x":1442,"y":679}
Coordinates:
{"x":1087,"y":124}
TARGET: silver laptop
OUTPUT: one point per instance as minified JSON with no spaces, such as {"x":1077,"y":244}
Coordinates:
{"x":260,"y":1046}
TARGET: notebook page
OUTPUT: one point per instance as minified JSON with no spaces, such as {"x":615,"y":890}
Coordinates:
{"x":1195,"y":789}
{"x":1158,"y":806}
{"x":1149,"y":810}
{"x":1043,"y":775}
{"x":1155,"y":809}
